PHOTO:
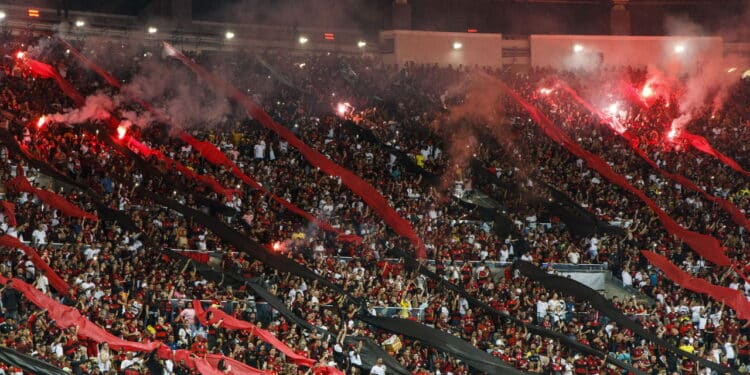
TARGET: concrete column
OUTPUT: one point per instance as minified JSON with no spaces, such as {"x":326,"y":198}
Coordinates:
{"x":619,"y":18}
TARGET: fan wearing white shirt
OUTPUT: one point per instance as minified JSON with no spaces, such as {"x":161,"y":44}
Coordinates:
{"x":42,"y":282}
{"x":378,"y":368}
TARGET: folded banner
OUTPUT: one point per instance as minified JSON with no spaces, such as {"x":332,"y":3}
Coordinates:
{"x":367,"y":192}
{"x":731,"y":297}
{"x":734,"y":212}
{"x":535,"y":329}
{"x":232,"y":323}
{"x":256,"y":251}
{"x":187,"y":172}
{"x":216,"y":157}
{"x":106,"y":213}
{"x":213,"y":156}
{"x":42,"y":70}
{"x":578,"y":290}
{"x":65,"y":317}
{"x":370,"y":351}
{"x":701,"y":144}
{"x":21,"y":184}
{"x":27,"y":363}
{"x":238,"y":368}
{"x":55,"y":280}
{"x":707,"y":246}
{"x":474,"y":357}
{"x":10,"y":213}
{"x":244,"y":243}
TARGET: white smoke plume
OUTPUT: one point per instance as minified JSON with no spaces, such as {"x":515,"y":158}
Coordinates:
{"x":97,"y":107}
{"x":707,"y":85}
{"x":177,"y":95}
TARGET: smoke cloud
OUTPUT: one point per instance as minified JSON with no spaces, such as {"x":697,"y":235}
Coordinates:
{"x":177,"y":94}
{"x":479,"y":114}
{"x":707,"y":85}
{"x":97,"y":107}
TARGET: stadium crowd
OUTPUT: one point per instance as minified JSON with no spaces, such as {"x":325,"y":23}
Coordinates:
{"x":121,"y":280}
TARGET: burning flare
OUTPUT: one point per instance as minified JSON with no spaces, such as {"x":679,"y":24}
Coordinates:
{"x":672,"y":134}
{"x":647,"y":91}
{"x":121,"y":131}
{"x":41,"y":121}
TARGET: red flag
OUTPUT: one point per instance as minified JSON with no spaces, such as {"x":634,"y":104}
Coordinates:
{"x":230,"y":322}
{"x":55,"y":280}
{"x":10,"y":212}
{"x":701,"y":144}
{"x":20,"y":183}
{"x":707,"y":246}
{"x":731,"y":297}
{"x":216,"y":157}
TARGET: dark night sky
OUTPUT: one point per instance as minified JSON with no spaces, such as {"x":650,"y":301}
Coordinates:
{"x":505,"y":16}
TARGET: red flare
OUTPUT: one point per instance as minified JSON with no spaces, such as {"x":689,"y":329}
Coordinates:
{"x":277,"y":246}
{"x":647,"y":91}
{"x":121,"y":131}
{"x":20,"y":55}
{"x":41,"y":121}
{"x":672,"y":134}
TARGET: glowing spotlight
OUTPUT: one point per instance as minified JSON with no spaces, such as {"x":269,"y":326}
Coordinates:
{"x":613,"y":109}
{"x":152,"y":30}
{"x":577,"y":48}
{"x":732,"y":70}
{"x":361,"y":44}
{"x":303,"y":40}
{"x":41,"y":121}
{"x":2,"y":15}
{"x":458,"y":45}
{"x":121,"y":131}
{"x":680,"y":48}
{"x":80,"y":23}
{"x":20,"y":55}
{"x":229,"y":35}
{"x":647,"y":91}
{"x":545,"y":91}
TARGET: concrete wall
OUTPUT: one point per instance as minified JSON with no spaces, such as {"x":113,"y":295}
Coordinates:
{"x":428,"y":47}
{"x":678,"y":54}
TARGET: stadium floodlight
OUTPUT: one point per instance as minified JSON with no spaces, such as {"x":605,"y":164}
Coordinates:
{"x":303,"y":40}
{"x":361,"y":44}
{"x":80,"y":23}
{"x":458,"y":45}
{"x":229,"y":35}
{"x":152,"y":30}
{"x":577,"y":48}
{"x":2,"y":15}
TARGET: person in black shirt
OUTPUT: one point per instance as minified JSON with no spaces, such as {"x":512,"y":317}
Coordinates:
{"x":11,"y":301}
